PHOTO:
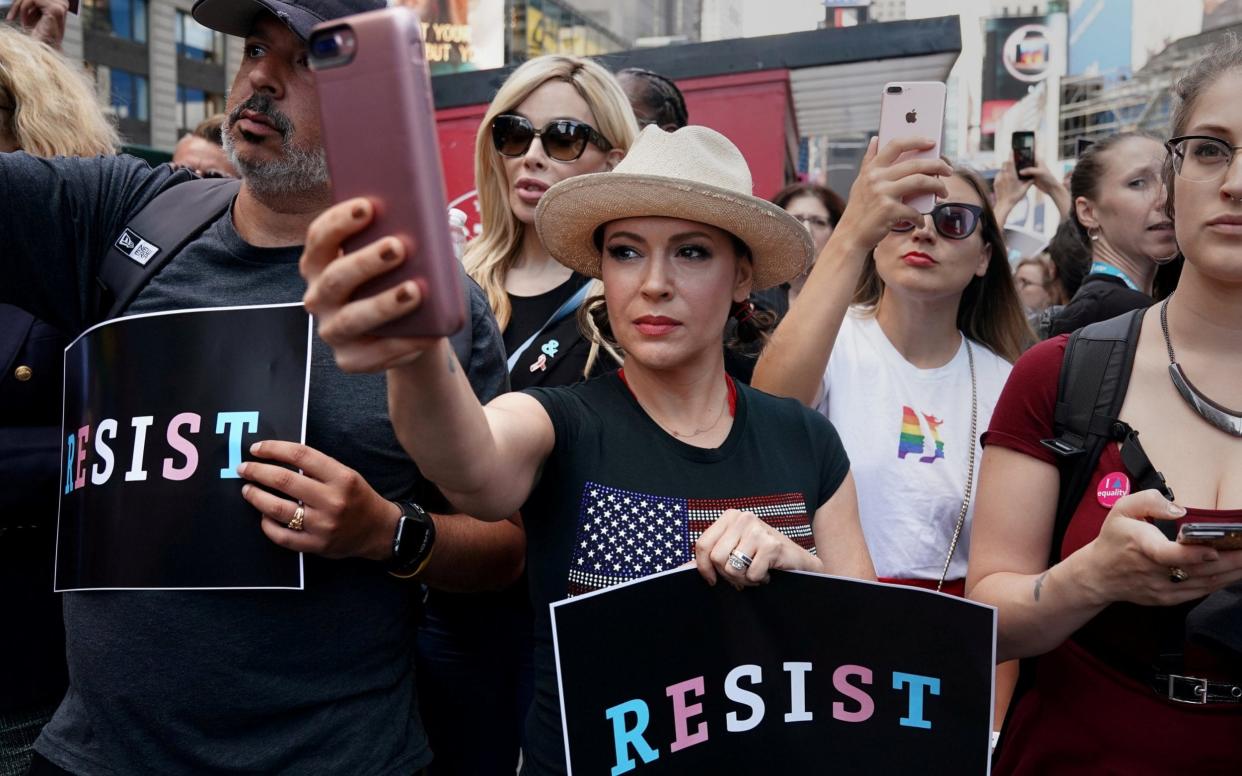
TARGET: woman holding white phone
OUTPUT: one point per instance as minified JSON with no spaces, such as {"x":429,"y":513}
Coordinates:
{"x":903,"y":337}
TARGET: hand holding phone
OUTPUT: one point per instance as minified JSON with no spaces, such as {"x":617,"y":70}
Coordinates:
{"x":379,"y":134}
{"x":1220,"y":536}
{"x":914,"y":109}
{"x":1023,"y":145}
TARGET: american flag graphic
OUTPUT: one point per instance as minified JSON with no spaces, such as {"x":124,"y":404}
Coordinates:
{"x":623,"y":535}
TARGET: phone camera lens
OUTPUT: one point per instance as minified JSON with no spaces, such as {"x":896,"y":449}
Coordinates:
{"x":327,"y":46}
{"x":894,"y":90}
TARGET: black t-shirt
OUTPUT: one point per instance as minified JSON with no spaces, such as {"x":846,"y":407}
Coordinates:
{"x":1099,"y":298}
{"x":558,"y":356}
{"x":615,"y":476}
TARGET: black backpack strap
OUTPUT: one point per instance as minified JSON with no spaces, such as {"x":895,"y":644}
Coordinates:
{"x":1095,"y":375}
{"x":155,"y":234}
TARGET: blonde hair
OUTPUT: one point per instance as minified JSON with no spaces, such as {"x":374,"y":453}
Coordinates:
{"x":489,"y":256}
{"x":56,"y":110}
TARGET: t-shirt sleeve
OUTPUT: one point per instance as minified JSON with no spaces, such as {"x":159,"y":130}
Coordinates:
{"x":59,"y":217}
{"x":565,"y":409}
{"x":832,"y":460}
{"x":1025,"y":411}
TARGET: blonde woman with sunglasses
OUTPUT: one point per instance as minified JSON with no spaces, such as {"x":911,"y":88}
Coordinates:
{"x":554,"y":118}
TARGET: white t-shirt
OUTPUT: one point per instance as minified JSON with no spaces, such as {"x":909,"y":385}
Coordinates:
{"x":906,"y":431}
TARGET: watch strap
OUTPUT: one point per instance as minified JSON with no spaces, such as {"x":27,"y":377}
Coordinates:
{"x":416,"y":563}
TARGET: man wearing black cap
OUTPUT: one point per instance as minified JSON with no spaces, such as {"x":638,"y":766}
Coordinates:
{"x":317,"y":681}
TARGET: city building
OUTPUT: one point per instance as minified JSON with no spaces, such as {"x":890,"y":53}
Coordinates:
{"x":1096,"y":105}
{"x":159,"y":71}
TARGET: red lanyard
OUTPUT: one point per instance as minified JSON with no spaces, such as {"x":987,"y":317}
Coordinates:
{"x":729,"y":384}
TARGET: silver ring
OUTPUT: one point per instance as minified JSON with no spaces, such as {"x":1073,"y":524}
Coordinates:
{"x":1177,"y":575}
{"x":740,"y":561}
{"x":299,"y":517}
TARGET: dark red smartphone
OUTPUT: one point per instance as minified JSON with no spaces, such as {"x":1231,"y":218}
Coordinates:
{"x":1023,"y":153}
{"x":378,"y":124}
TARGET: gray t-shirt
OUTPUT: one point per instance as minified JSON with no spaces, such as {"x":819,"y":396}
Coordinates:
{"x":307,"y":682}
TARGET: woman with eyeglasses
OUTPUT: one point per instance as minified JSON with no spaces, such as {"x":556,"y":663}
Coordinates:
{"x":819,"y":209}
{"x":903,"y":336}
{"x":1133,"y":640}
{"x":554,"y":118}
{"x":1118,"y":208}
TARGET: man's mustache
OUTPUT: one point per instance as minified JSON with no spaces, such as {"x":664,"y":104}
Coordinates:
{"x":263,"y":105}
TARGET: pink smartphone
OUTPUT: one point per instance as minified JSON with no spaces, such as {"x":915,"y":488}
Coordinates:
{"x":379,"y":132}
{"x":914,"y":109}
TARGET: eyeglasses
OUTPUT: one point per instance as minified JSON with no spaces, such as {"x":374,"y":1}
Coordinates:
{"x":953,"y":220}
{"x":1201,"y":158}
{"x":564,"y":140}
{"x":817,"y":221}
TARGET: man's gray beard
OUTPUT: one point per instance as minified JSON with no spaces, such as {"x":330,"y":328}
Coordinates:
{"x":297,"y":172}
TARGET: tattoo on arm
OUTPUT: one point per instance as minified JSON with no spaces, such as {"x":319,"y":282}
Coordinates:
{"x":1039,"y":583}
{"x":452,"y":363}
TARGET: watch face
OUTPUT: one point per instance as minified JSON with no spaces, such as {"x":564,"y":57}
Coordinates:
{"x":412,"y":540}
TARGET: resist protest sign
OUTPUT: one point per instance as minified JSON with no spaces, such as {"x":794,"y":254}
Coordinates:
{"x":807,"y":674}
{"x":159,"y":411}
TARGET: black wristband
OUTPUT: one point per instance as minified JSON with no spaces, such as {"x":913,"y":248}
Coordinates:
{"x":413,"y":539}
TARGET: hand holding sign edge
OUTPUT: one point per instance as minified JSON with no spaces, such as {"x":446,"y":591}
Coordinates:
{"x":344,"y":516}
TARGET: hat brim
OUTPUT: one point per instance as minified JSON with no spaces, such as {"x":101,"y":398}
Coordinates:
{"x":236,"y":17}
{"x":571,"y":211}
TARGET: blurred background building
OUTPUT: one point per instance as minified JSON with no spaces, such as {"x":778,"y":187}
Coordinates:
{"x":1070,"y":70}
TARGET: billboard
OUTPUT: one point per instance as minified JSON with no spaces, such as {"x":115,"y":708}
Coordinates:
{"x":462,"y":35}
{"x":1019,"y":52}
{"x":1099,"y":36}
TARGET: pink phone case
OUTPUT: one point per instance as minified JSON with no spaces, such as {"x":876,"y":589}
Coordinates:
{"x":914,"y":109}
{"x":379,"y":132}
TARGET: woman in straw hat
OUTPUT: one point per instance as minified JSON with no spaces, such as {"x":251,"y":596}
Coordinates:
{"x":668,"y":455}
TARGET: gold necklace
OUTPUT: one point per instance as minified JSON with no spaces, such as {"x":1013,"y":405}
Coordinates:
{"x":692,"y":434}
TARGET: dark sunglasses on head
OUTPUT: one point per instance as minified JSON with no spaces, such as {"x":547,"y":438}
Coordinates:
{"x":563,"y":140}
{"x":953,"y":220}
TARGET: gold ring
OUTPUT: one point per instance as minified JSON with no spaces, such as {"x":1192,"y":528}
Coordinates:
{"x":299,"y":517}
{"x":1177,"y":575}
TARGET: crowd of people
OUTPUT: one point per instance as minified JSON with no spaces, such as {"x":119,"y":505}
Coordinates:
{"x":642,"y":325}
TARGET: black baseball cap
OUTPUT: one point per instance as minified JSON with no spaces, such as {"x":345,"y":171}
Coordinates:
{"x":236,"y":17}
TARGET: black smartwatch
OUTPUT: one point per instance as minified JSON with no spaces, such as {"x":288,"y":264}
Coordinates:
{"x":412,"y":543}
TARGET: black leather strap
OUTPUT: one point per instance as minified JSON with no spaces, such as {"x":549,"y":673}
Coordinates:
{"x":1190,"y":689}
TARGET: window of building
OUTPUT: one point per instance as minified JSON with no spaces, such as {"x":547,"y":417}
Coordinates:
{"x":194,"y":105}
{"x":121,"y":18}
{"x":194,"y":41}
{"x":128,"y":93}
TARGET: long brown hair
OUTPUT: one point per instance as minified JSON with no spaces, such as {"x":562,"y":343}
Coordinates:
{"x":989,"y":311}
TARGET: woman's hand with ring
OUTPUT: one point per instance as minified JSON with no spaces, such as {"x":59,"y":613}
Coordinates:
{"x":1132,"y":560}
{"x":722,"y":551}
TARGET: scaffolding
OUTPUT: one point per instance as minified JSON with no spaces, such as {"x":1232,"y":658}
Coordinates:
{"x":1096,"y":106}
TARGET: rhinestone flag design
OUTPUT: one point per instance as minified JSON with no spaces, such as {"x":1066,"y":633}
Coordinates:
{"x":623,"y":535}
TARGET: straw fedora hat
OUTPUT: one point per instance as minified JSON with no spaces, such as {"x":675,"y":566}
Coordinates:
{"x":694,"y":174}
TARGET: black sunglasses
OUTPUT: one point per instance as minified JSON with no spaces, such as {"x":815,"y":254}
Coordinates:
{"x":953,"y":220}
{"x":563,"y":140}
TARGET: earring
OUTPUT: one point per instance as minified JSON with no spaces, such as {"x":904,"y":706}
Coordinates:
{"x":1094,"y":233}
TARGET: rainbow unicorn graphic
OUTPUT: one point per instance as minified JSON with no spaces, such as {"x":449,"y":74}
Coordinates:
{"x":912,"y":441}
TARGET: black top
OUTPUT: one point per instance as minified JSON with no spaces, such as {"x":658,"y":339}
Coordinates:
{"x":559,"y":354}
{"x":1099,"y":298}
{"x":619,"y":498}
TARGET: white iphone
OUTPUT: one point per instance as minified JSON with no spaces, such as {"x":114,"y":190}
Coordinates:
{"x":914,"y":109}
